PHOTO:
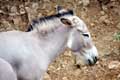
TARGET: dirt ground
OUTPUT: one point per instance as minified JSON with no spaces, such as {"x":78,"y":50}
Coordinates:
{"x":103,"y":20}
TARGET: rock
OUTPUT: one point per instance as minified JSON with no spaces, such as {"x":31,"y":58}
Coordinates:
{"x":35,"y":6}
{"x":107,"y":21}
{"x":118,"y":77}
{"x":104,"y":8}
{"x":112,"y":0}
{"x":85,"y":2}
{"x":31,"y":14}
{"x":65,"y":78}
{"x":102,"y":13}
{"x":92,"y":24}
{"x":68,"y":53}
{"x":32,"y":11}
{"x":46,"y":0}
{"x":51,"y":67}
{"x":113,"y":64}
{"x":17,"y":20}
{"x":6,"y":26}
{"x":22,"y":9}
{"x":39,"y":15}
{"x":118,"y":26}
{"x":13,"y":10}
{"x":104,"y":2}
{"x":79,"y":61}
{"x":77,"y":72}
{"x":79,"y":2}
{"x":104,"y":19}
{"x":1,"y":11}
{"x":47,"y":77}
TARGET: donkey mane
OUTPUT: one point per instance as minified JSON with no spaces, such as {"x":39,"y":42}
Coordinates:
{"x":45,"y":19}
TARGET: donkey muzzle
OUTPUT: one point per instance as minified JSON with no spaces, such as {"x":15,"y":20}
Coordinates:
{"x":93,"y":61}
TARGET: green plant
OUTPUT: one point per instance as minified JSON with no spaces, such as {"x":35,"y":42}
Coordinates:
{"x":117,"y":36}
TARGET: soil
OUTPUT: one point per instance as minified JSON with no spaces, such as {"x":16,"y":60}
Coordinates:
{"x":103,"y":20}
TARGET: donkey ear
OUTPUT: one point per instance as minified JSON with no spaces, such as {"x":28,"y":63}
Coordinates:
{"x":71,"y":11}
{"x":66,"y":21}
{"x":60,"y":9}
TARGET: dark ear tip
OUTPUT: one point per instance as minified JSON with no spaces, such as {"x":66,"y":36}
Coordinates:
{"x":71,"y":11}
{"x":59,"y":7}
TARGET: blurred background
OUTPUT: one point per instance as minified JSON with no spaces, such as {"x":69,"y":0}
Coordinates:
{"x":103,"y":20}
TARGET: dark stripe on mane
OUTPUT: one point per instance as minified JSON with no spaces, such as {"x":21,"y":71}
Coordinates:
{"x":43,"y":19}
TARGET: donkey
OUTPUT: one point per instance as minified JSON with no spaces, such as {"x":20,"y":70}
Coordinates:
{"x":85,"y":41}
{"x":6,"y":71}
{"x":29,"y":53}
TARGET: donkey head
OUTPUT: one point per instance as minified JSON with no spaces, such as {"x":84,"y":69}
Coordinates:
{"x":80,"y":41}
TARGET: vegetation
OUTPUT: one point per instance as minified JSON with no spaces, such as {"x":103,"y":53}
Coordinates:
{"x":117,"y":36}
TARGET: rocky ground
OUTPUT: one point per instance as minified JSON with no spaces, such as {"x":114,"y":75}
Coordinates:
{"x":103,"y":20}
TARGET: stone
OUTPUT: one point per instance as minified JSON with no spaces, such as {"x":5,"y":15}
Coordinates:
{"x":104,"y":19}
{"x":79,"y":2}
{"x":47,"y":77}
{"x":118,"y":26}
{"x":92,"y":24}
{"x":13,"y":9}
{"x":102,"y":13}
{"x":46,"y":0}
{"x":22,"y":9}
{"x":79,"y":61}
{"x":65,"y":78}
{"x":118,"y":77}
{"x":104,"y":8}
{"x":86,"y":2}
{"x":68,"y":53}
{"x":113,"y":64}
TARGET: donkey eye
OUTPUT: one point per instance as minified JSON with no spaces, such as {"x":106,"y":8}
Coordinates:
{"x":79,"y":30}
{"x":86,"y":35}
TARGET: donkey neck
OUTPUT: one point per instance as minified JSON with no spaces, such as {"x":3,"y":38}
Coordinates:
{"x":54,"y":41}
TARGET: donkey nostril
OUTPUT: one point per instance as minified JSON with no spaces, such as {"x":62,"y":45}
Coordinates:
{"x":96,"y":58}
{"x":89,"y":62}
{"x":93,"y":61}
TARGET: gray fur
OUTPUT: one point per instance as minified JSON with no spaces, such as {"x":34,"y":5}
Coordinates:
{"x":6,"y":71}
{"x":30,"y":53}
